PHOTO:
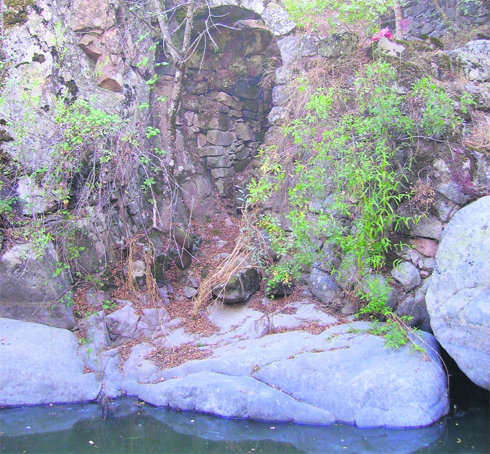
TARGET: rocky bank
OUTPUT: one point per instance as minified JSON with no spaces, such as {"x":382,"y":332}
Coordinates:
{"x":305,"y":359}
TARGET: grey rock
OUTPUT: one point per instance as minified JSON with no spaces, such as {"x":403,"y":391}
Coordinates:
{"x":40,"y":365}
{"x":350,"y":308}
{"x":373,"y":284}
{"x":189,"y":292}
{"x":277,"y":115}
{"x":289,"y":48}
{"x":277,"y":20}
{"x":374,"y":397}
{"x":427,"y":263}
{"x":192,"y":280}
{"x":481,"y":95}
{"x":283,"y":75}
{"x":348,"y":271}
{"x":240,"y":287}
{"x":415,"y":307}
{"x":337,"y":44}
{"x":216,"y":3}
{"x":473,"y":59}
{"x":30,"y":291}
{"x":428,"y":227}
{"x":453,"y":191}
{"x":34,"y":199}
{"x":257,"y":6}
{"x":445,"y":208}
{"x":323,"y":286}
{"x":152,"y":322}
{"x":122,"y":323}
{"x":279,"y":95}
{"x":221,"y":172}
{"x":308,"y":46}
{"x":393,"y":388}
{"x":96,"y":338}
{"x":137,"y":368}
{"x":407,"y":275}
{"x":218,"y":162}
{"x":232,"y":397}
{"x":112,"y":378}
{"x":459,"y":292}
{"x":385,"y":47}
{"x":211,"y":151}
{"x":328,"y":260}
{"x":221,"y":138}
{"x":244,"y":132}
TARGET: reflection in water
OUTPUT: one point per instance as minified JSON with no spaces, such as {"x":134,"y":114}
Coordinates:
{"x":133,"y":428}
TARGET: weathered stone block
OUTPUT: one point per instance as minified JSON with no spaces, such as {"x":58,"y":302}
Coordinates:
{"x":223,"y":138}
{"x":244,"y":132}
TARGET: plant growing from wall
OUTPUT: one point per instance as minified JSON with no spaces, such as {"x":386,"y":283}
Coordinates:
{"x":351,"y":169}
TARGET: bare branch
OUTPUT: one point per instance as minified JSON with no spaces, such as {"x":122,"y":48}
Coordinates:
{"x":175,"y":54}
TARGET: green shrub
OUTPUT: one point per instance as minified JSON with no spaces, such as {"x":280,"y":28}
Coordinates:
{"x":353,"y":167}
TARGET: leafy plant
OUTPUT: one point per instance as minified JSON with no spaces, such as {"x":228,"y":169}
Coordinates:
{"x":347,"y":180}
{"x":396,"y":331}
{"x":306,"y":12}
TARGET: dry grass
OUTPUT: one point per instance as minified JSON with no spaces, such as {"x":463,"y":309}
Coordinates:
{"x":236,"y":261}
{"x":423,"y":197}
{"x":168,"y":358}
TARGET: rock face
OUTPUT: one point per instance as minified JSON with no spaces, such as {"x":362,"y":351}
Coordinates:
{"x":40,"y":365}
{"x":473,"y":58}
{"x":29,"y":289}
{"x":309,"y":379}
{"x":459,"y":292}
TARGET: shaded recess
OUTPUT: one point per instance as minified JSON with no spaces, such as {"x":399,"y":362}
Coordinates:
{"x":227,"y":95}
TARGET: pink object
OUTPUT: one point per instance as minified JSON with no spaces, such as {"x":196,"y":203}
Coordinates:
{"x":426,"y":246}
{"x":383,"y":33}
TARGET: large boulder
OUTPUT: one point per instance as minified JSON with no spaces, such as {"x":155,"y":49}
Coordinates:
{"x":458,"y":298}
{"x":343,"y":374}
{"x":40,"y":365}
{"x":33,"y":289}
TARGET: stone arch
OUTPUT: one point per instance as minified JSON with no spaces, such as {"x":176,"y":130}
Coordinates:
{"x":227,"y":99}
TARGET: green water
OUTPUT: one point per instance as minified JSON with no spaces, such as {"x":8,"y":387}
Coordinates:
{"x":134,"y":428}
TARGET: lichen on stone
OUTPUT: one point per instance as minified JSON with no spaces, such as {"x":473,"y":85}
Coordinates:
{"x":15,"y":11}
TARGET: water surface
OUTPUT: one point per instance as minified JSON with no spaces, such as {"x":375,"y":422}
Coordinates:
{"x":132,"y":427}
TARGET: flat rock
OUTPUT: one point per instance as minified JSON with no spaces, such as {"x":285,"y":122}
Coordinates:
{"x":233,"y":397}
{"x":459,"y":292}
{"x":40,"y":365}
{"x":344,"y":374}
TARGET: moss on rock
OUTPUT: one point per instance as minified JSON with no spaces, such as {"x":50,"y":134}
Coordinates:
{"x":16,"y":11}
